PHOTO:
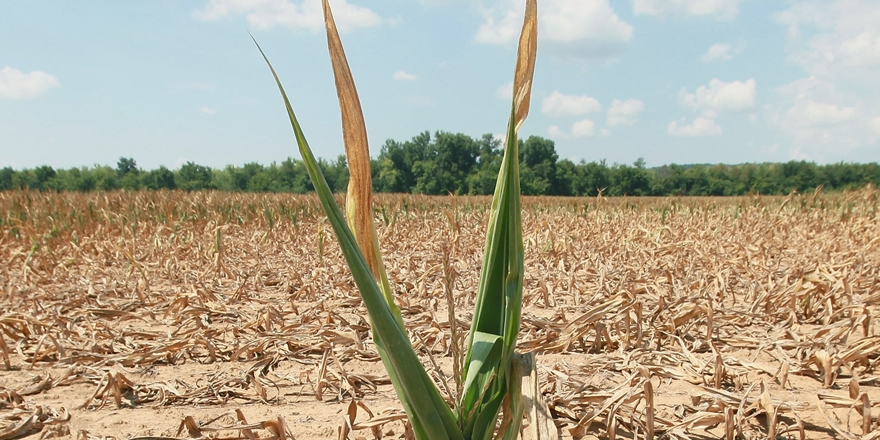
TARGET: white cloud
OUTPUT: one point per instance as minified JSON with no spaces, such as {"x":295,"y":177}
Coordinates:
{"x":809,"y":118}
{"x":308,"y":14}
{"x":559,"y":104}
{"x":207,"y":110}
{"x":700,"y":127}
{"x":720,"y":96}
{"x":574,"y":28}
{"x":585,"y":128}
{"x":711,"y":101}
{"x":566,"y":21}
{"x":875,"y":125}
{"x":555,"y":132}
{"x":15,"y":84}
{"x":836,"y":38}
{"x":721,"y":9}
{"x":813,"y":113}
{"x":828,"y":114}
{"x":501,"y":31}
{"x":861,"y":50}
{"x":821,"y":123}
{"x":624,"y":112}
{"x":505,"y":91}
{"x":720,"y":52}
{"x":403,"y":76}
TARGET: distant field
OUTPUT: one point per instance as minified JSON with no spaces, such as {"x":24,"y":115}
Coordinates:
{"x":172,"y":314}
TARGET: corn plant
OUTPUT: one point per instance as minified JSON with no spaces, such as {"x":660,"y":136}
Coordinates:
{"x":490,"y":383}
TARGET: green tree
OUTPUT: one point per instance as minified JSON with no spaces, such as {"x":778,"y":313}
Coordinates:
{"x":446,"y":163}
{"x":105,"y":178}
{"x":25,"y":179}
{"x":43,"y":175}
{"x":160,"y":178}
{"x":193,"y":177}
{"x":126,"y":165}
{"x":128,"y":173}
{"x":800,"y":176}
{"x":481,"y":180}
{"x":336,"y":173}
{"x":538,"y":159}
{"x":6,"y":174}
{"x":566,"y":176}
{"x":396,"y":163}
{"x":292,"y":176}
{"x":74,"y":179}
{"x":591,"y":178}
{"x":631,"y":181}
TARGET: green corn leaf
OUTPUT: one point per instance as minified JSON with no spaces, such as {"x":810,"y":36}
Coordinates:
{"x":499,"y":295}
{"x":489,"y":378}
{"x":486,"y":350}
{"x":481,"y":391}
{"x":430,"y":416}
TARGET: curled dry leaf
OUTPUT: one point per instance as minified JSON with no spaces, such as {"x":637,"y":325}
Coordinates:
{"x":202,"y":337}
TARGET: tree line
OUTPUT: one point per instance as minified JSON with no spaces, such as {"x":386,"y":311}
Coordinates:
{"x":459,"y":164}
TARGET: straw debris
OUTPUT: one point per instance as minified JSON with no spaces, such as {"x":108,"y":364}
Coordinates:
{"x":693,"y":318}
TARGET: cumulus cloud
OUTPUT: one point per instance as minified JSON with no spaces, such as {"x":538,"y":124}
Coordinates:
{"x":580,"y":129}
{"x":584,"y":128}
{"x":813,"y":114}
{"x":308,"y":14}
{"x":500,"y":31}
{"x":834,"y":39}
{"x":15,"y":84}
{"x":828,"y":114}
{"x":566,"y":21}
{"x":400,"y":75}
{"x":700,"y":127}
{"x":556,"y":132}
{"x":560,"y":104}
{"x":861,"y":50}
{"x":574,"y":28}
{"x":624,"y":112}
{"x":815,"y":124}
{"x":720,"y":52}
{"x":711,"y":101}
{"x":505,"y":91}
{"x":207,"y":110}
{"x":721,"y":9}
{"x":720,"y":96}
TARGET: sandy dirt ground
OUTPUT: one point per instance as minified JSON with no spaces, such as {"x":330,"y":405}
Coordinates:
{"x":223,"y":316}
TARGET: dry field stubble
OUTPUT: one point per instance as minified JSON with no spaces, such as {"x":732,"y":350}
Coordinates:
{"x":233,"y":316}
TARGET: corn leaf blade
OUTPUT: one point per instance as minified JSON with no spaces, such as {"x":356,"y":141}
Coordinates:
{"x":358,"y":201}
{"x":431,"y":417}
{"x":498,"y":304}
{"x":359,"y":197}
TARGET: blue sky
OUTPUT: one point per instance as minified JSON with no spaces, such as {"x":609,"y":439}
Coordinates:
{"x":683,"y":81}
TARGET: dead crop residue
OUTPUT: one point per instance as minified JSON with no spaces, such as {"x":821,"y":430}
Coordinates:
{"x":183,"y":315}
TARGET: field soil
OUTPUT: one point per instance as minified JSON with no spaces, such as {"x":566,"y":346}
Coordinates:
{"x":187,"y":315}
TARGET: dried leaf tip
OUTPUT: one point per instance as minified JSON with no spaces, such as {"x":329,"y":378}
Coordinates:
{"x":525,"y":64}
